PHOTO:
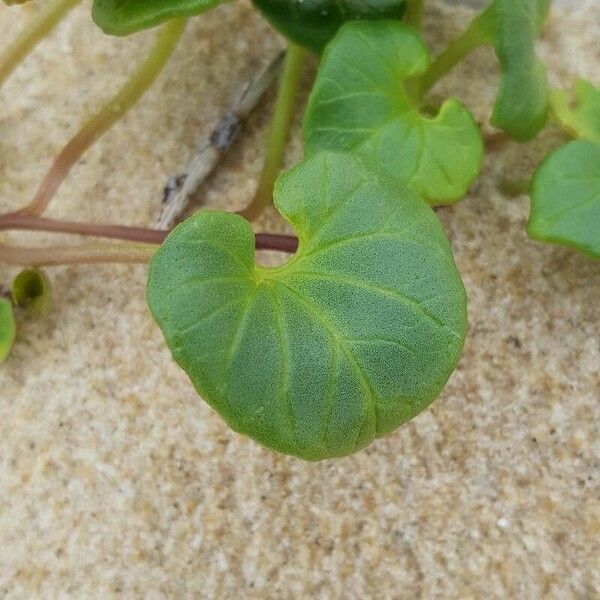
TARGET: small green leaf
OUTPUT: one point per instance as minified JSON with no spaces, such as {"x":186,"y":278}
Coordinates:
{"x":583,"y":119}
{"x":360,"y":103}
{"x":31,"y":290}
{"x":522,"y":104}
{"x":8,"y":328}
{"x":312,"y":23}
{"x":122,"y":17}
{"x":565,"y":198}
{"x":352,"y":337}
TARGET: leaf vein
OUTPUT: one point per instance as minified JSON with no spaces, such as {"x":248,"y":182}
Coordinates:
{"x":376,"y":289}
{"x":208,"y":315}
{"x":369,"y":396}
{"x":284,"y":344}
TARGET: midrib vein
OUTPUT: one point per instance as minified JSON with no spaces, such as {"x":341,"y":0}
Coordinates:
{"x":284,"y":344}
{"x":368,"y":392}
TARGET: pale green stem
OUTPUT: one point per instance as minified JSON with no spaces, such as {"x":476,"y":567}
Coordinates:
{"x":279,"y":130}
{"x":112,"y":112}
{"x":479,"y":33}
{"x":75,"y":255}
{"x":42,"y":24}
{"x":414,"y":13}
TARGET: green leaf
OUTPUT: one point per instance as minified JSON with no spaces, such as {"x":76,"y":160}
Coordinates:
{"x":352,"y":337}
{"x":313,"y":23}
{"x":565,"y":198}
{"x":31,"y":290}
{"x":122,"y":17}
{"x":583,"y":119}
{"x":360,"y":103}
{"x":522,"y":104}
{"x":8,"y":328}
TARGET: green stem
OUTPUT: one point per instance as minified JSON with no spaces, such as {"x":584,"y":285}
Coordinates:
{"x":112,"y":112}
{"x":49,"y":16}
{"x":75,"y":255}
{"x":279,"y":131}
{"x":414,"y":13}
{"x":479,"y":33}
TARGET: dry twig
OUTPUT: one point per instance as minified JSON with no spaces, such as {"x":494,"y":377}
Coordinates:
{"x":179,"y":189}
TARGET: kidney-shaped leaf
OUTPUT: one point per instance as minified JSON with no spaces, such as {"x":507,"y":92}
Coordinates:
{"x":360,"y":103}
{"x":352,"y":337}
{"x":522,"y":103}
{"x":8,"y":329}
{"x":565,"y":198}
{"x":313,"y":23}
{"x":583,"y":119}
{"x":122,"y":17}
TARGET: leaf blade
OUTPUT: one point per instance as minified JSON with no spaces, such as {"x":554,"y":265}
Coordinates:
{"x":8,"y":328}
{"x":312,"y":23}
{"x":359,"y":103}
{"x":124,"y":17}
{"x":299,"y":363}
{"x":583,"y":119}
{"x":565,"y":198}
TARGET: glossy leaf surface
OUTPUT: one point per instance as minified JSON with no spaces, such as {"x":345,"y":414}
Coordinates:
{"x":8,"y":329}
{"x":31,"y":290}
{"x":312,"y":23}
{"x":122,"y":17}
{"x":565,"y":198}
{"x":582,"y":119}
{"x":352,"y":337}
{"x":522,"y":104}
{"x":360,"y":103}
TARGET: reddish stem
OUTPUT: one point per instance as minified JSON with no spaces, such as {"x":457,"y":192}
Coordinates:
{"x":276,"y":241}
{"x":119,"y":232}
{"x":264,"y":241}
{"x":110,"y":114}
